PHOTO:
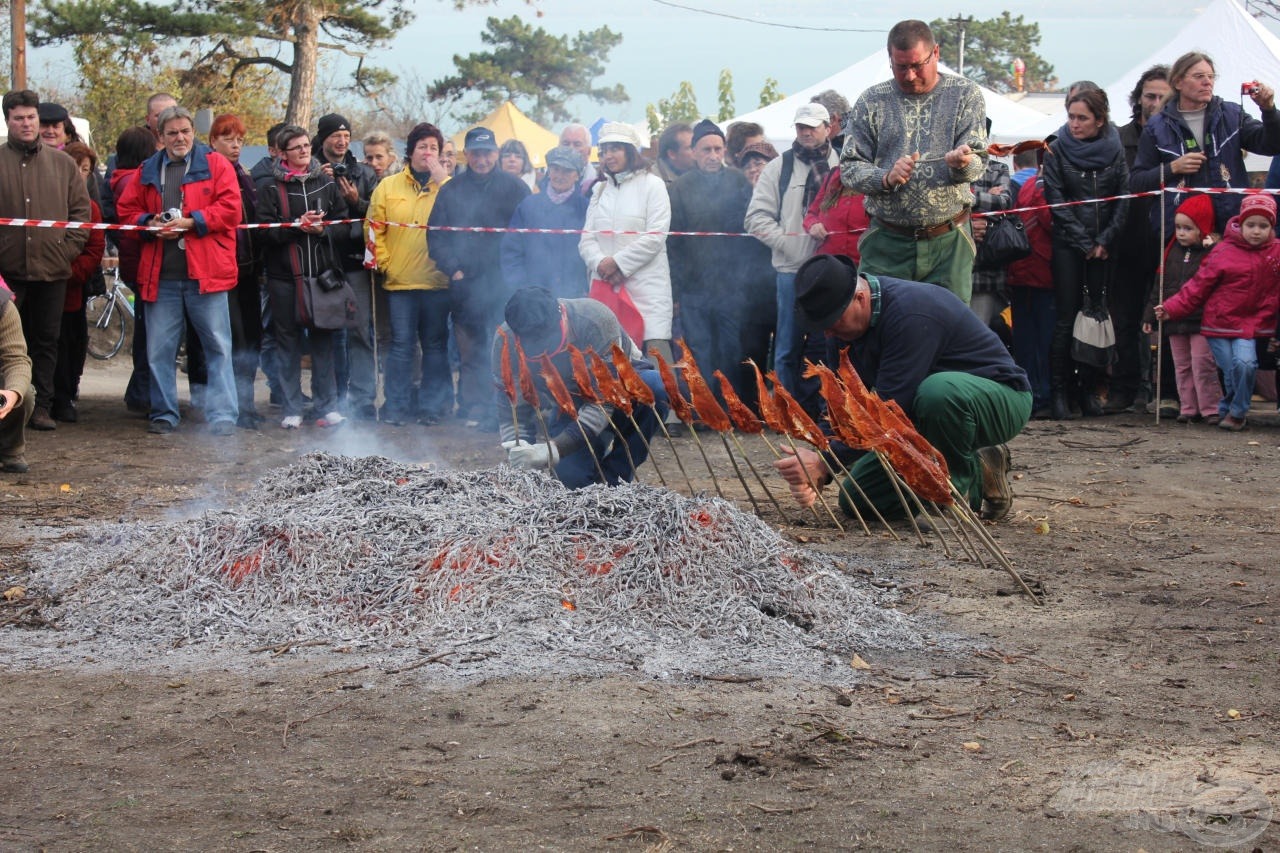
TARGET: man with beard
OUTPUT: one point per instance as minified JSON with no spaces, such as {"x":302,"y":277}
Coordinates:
{"x":911,"y":150}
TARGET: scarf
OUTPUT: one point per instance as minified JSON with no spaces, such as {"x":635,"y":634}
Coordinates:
{"x":1090,"y":154}
{"x":558,"y":198}
{"x":423,"y":178}
{"x":816,"y":159}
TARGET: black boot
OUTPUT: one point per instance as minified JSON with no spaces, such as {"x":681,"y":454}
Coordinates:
{"x":1061,"y":408}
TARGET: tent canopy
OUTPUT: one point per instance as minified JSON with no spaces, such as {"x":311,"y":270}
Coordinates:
{"x":507,"y":122}
{"x":777,"y":119}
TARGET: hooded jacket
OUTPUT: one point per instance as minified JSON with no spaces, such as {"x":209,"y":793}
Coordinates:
{"x":1238,"y":286}
{"x":211,"y":197}
{"x":1228,"y":130}
{"x":1079,"y":169}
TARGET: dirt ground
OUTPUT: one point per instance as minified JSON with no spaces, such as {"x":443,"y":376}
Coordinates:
{"x":1135,"y":711}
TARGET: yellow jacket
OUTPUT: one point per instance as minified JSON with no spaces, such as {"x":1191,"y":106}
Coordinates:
{"x":401,"y":253}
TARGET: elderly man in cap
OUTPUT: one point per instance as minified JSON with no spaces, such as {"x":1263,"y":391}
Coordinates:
{"x":919,"y":345}
{"x":912,"y":151}
{"x":483,"y":196}
{"x":545,"y":325}
{"x":709,"y":274}
{"x":549,"y":260}
{"x":775,"y":216}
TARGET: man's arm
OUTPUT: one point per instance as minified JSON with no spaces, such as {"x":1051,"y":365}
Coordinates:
{"x":440,"y":244}
{"x":909,"y":350}
{"x":971,"y":133}
{"x":764,"y":212}
{"x":859,"y":168}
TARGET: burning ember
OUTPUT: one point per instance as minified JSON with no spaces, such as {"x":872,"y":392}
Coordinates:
{"x":375,"y":556}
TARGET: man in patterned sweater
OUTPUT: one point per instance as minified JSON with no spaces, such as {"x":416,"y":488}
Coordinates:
{"x":911,"y":149}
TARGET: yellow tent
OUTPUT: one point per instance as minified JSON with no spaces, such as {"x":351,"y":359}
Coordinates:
{"x":507,"y":122}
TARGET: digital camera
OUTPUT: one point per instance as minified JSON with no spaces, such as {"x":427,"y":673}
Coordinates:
{"x":1251,"y":88}
{"x":340,"y":170}
{"x":170,"y":215}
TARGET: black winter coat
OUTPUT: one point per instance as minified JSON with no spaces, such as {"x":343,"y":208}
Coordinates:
{"x":1084,"y":226}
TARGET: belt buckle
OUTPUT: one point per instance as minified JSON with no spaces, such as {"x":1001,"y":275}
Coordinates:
{"x":919,"y":234}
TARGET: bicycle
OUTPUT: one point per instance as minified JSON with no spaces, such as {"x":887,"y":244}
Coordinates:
{"x":110,"y":318}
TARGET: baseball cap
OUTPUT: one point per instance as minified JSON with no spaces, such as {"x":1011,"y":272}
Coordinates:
{"x":480,"y":139}
{"x":812,"y":115}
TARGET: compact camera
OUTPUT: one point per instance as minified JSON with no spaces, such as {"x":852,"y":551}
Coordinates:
{"x":1251,"y":88}
{"x":170,"y":215}
{"x":340,"y":170}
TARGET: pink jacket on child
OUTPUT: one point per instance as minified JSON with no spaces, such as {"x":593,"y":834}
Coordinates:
{"x":1237,"y":284}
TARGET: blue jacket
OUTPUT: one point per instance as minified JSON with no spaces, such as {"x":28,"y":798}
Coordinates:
{"x":1228,"y":132}
{"x":547,"y":260}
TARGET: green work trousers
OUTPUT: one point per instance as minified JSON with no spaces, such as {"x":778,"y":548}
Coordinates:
{"x":957,"y":413}
{"x":946,"y":260}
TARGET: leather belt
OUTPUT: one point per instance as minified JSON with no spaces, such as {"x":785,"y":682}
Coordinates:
{"x":929,"y":231}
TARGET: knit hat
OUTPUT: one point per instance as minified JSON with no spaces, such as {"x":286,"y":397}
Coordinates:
{"x":706,"y":127}
{"x":1199,"y":209}
{"x":756,"y":149}
{"x":616,"y":131}
{"x":326,"y":127}
{"x":1258,"y":205}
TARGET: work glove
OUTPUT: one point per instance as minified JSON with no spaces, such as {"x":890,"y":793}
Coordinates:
{"x":533,"y":456}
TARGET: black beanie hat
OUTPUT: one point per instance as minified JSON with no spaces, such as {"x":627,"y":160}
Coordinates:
{"x":327,"y":126}
{"x":706,"y":127}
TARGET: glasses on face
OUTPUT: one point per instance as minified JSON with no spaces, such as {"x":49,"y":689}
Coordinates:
{"x":299,"y":148}
{"x":1202,"y":78}
{"x":914,"y":67}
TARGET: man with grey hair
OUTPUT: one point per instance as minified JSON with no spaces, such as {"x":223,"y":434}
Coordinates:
{"x":915,"y":145}
{"x":187,"y":266}
{"x":578,"y":138}
{"x":838,"y":106}
{"x":38,"y":182}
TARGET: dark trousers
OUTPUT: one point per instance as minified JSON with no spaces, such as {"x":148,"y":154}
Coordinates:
{"x":137,"y":394}
{"x":73,"y":348}
{"x":1034,"y":317}
{"x":290,"y":335}
{"x":245,"y":307}
{"x":1073,"y":277}
{"x":712,"y":329}
{"x":40,"y":307}
{"x":579,"y":469}
{"x":476,"y":305}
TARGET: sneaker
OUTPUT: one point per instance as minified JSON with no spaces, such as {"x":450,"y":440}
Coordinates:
{"x":997,"y":493}
{"x":222,"y":428}
{"x":291,"y":422}
{"x":332,"y":419}
{"x":160,"y":427}
{"x":14,"y":465}
{"x":42,"y":420}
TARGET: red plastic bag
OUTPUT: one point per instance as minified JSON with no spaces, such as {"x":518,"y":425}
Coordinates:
{"x":619,"y":302}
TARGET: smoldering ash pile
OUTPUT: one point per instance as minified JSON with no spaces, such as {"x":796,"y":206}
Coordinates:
{"x":492,"y":572}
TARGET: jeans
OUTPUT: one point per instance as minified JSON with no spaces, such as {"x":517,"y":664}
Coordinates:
{"x":419,"y":316}
{"x":1034,"y":315}
{"x":177,"y":302}
{"x":712,"y":329}
{"x":788,"y":337}
{"x":578,"y":469}
{"x":1237,"y":358}
{"x":361,"y":382}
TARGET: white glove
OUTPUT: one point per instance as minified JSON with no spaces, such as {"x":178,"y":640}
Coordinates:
{"x":511,"y":445}
{"x":533,"y":456}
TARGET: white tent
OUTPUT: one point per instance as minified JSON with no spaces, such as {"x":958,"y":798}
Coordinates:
{"x":1007,"y":117}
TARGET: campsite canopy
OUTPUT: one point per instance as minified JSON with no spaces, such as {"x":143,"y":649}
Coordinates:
{"x":507,"y":122}
{"x":777,"y":119}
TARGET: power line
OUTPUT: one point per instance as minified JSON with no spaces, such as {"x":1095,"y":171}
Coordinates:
{"x":764,"y":23}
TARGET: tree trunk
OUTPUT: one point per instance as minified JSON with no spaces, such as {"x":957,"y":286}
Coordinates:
{"x":306,"y":51}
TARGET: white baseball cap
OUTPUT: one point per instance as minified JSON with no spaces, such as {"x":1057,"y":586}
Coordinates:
{"x":812,"y":115}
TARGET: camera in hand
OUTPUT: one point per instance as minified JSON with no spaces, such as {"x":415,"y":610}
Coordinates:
{"x":1250,"y":88}
{"x":339,"y":170}
{"x":170,"y":215}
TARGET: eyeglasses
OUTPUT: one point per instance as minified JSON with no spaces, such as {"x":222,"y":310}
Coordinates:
{"x":915,"y":67}
{"x":1202,"y":78}
{"x":306,"y":146}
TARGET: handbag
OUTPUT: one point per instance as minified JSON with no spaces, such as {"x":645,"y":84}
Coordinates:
{"x":1093,"y":338}
{"x":324,"y":301}
{"x":1006,"y":241}
{"x":619,"y":302}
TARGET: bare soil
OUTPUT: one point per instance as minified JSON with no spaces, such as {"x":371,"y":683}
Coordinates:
{"x":1136,"y":710}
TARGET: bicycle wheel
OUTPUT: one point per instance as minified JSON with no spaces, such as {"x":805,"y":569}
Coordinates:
{"x":107,"y":329}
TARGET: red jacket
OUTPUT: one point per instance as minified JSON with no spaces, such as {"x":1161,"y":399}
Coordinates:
{"x":1237,"y":284}
{"x":210,"y":196}
{"x":1033,"y":270}
{"x":845,"y":221}
{"x":86,"y":263}
{"x":128,"y":242}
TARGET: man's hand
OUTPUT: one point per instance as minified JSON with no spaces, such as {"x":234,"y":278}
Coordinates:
{"x":532,"y":456}
{"x":1264,"y":97}
{"x":959,"y":158}
{"x":176,"y":229}
{"x":8,"y":400}
{"x":348,"y":190}
{"x":979,"y":226}
{"x":818,"y":231}
{"x":901,"y":171}
{"x":1097,"y":253}
{"x":792,"y":466}
{"x":1188,"y":164}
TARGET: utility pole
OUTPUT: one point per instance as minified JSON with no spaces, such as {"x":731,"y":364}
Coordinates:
{"x":961,"y":22}
{"x":18,"y":44}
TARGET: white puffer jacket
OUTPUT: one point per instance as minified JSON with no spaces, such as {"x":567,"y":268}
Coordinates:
{"x":633,"y":201}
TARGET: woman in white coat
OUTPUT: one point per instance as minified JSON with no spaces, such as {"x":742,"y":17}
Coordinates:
{"x":629,"y":198}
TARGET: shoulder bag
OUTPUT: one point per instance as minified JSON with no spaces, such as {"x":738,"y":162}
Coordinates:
{"x":1006,"y":241}
{"x":324,"y":298}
